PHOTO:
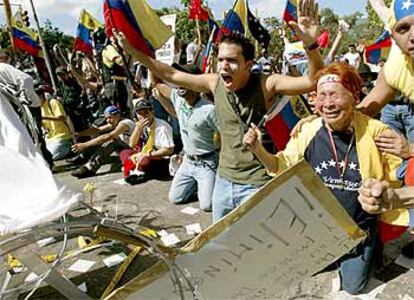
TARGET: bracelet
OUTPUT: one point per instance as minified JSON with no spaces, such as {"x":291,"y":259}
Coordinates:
{"x":312,"y":47}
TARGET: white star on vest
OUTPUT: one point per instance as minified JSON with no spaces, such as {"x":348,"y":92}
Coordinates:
{"x":352,"y":166}
{"x":407,"y":4}
{"x":318,"y":170}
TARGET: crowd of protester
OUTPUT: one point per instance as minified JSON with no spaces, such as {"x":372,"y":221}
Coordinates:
{"x":161,"y":121}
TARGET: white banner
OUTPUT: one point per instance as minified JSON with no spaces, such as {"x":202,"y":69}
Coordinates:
{"x":166,"y":52}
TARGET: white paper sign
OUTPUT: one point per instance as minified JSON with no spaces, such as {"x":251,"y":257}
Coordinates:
{"x":115,"y":259}
{"x":295,"y":54}
{"x":193,"y":228}
{"x":166,"y":52}
{"x":163,"y":232}
{"x":190,"y":210}
{"x":170,"y":240}
{"x":81,"y":266}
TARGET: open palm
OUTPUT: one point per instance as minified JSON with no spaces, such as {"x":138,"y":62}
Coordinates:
{"x":308,"y":24}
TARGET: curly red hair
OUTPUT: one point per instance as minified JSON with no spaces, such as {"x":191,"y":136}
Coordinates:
{"x":348,"y":75}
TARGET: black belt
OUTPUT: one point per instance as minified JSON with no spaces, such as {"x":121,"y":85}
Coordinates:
{"x":201,"y":156}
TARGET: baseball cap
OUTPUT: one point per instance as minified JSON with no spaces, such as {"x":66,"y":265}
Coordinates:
{"x":143,"y":104}
{"x":111,"y":110}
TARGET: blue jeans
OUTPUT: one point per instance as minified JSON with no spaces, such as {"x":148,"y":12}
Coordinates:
{"x":355,"y":266}
{"x":400,"y":118}
{"x":194,"y":177}
{"x":59,"y":148}
{"x":228,"y":195}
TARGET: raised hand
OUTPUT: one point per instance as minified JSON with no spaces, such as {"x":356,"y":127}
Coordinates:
{"x":308,"y":22}
{"x":118,"y":38}
{"x":142,"y":123}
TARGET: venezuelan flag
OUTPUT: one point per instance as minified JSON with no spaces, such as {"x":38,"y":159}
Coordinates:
{"x":87,"y":24}
{"x":380,"y":48}
{"x":213,"y":26}
{"x":236,"y":19}
{"x":290,"y":12}
{"x":208,"y":49}
{"x":25,"y":39}
{"x":281,"y":124}
{"x":140,"y":24}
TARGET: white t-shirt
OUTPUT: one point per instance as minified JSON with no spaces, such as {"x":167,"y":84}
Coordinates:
{"x":352,"y":58}
{"x":13,"y":76}
{"x":163,"y":135}
{"x":126,"y":134}
{"x":191,"y":51}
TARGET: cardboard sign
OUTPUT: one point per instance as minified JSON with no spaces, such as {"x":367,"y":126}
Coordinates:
{"x":290,"y":229}
{"x":167,"y":51}
{"x":295,"y":54}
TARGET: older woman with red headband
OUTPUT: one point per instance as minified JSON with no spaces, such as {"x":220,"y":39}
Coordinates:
{"x":340,"y":147}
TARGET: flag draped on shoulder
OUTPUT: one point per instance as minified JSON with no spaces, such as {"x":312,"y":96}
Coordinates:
{"x":197,"y":11}
{"x":87,"y":24}
{"x":380,"y":48}
{"x":290,"y":12}
{"x":138,"y":22}
{"x":25,"y":38}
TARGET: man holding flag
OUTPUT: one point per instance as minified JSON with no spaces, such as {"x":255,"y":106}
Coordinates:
{"x":241,"y":98}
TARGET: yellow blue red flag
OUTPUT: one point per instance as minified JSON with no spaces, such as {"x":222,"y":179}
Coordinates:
{"x":25,"y":38}
{"x":140,"y":24}
{"x":87,"y":24}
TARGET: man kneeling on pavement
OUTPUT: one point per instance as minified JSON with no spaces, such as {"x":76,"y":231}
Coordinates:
{"x":111,"y":137}
{"x":198,"y":127}
{"x":152,"y":144}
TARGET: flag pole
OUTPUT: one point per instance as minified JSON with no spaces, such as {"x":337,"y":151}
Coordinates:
{"x":198,"y":30}
{"x":45,"y":52}
{"x":8,"y":12}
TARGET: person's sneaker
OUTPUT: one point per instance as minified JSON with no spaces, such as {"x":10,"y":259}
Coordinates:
{"x":83,"y":172}
{"x":135,"y":177}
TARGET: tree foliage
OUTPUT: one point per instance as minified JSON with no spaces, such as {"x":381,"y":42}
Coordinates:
{"x":186,"y":29}
{"x":274,"y":25}
{"x":53,"y":35}
{"x":374,"y":20}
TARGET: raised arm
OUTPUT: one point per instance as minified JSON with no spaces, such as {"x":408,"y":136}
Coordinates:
{"x":162,"y":93}
{"x":377,"y":98}
{"x":307,"y":30}
{"x":197,"y":83}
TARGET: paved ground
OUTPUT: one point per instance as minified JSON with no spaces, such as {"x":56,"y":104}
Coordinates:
{"x":147,"y":204}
